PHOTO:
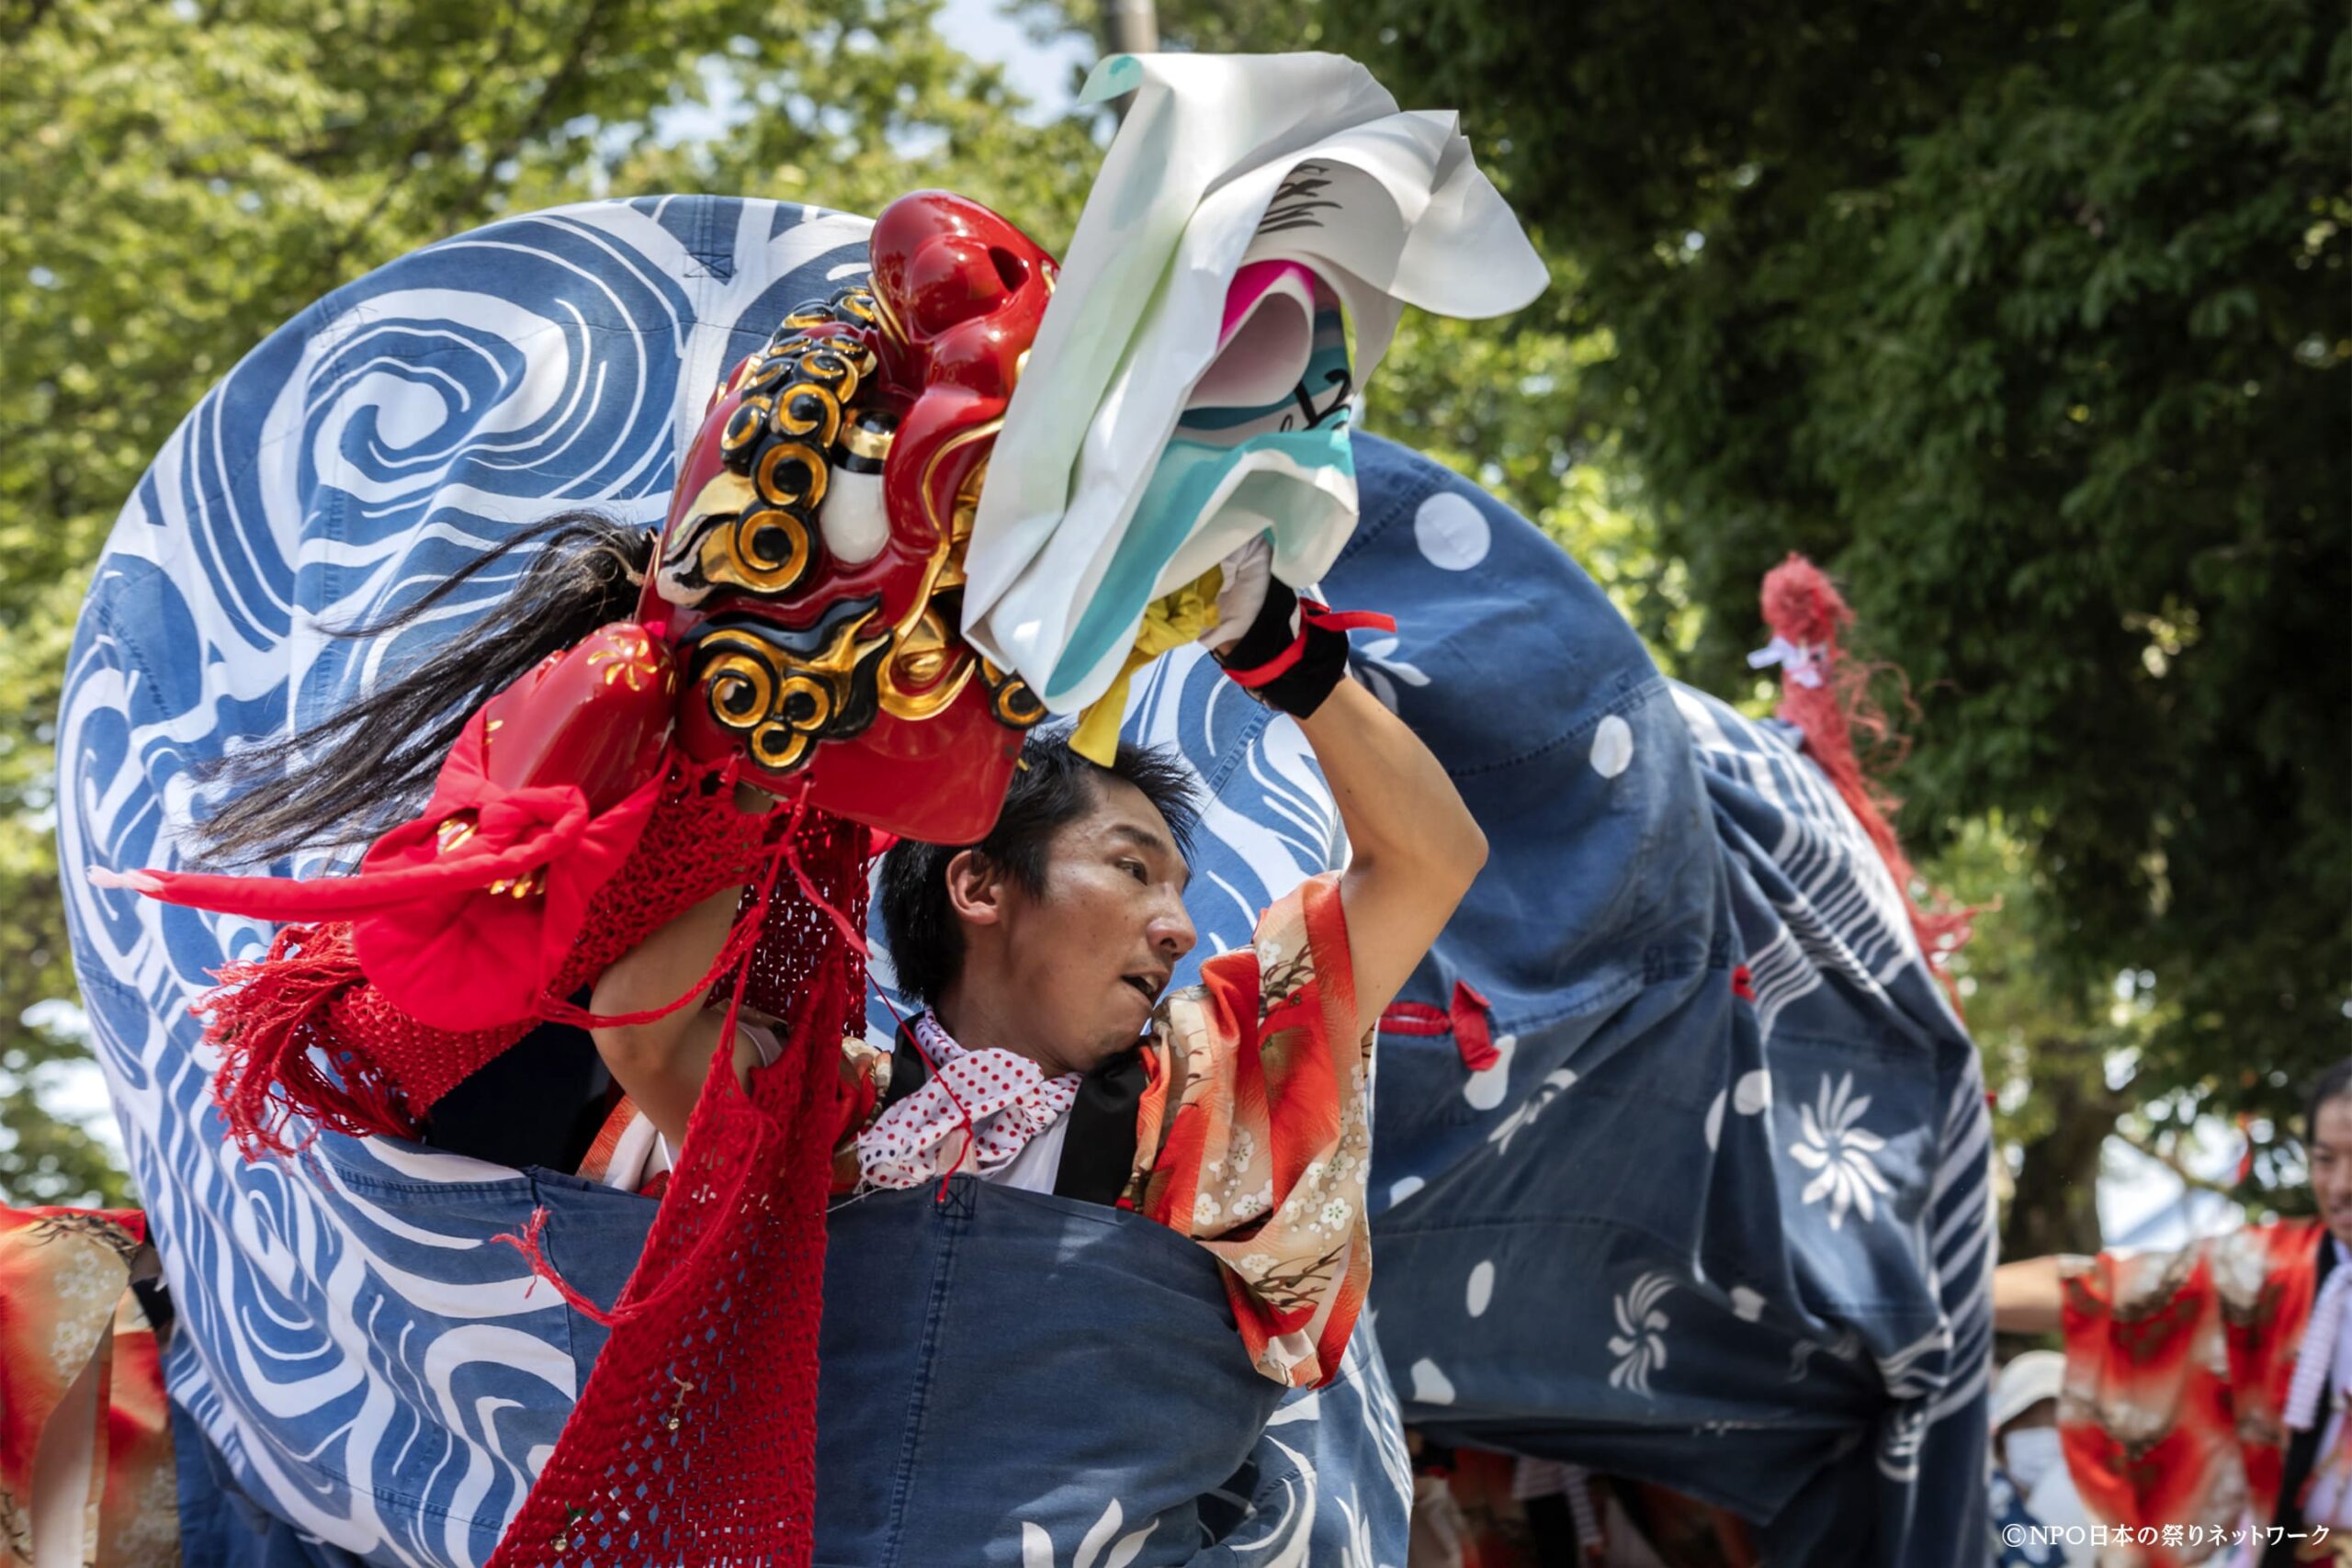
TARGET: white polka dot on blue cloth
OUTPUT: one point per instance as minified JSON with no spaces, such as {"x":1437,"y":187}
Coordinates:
{"x":1613,"y":747}
{"x":1452,"y":531}
{"x":1480,"y":1291}
{"x":1486,"y":1088}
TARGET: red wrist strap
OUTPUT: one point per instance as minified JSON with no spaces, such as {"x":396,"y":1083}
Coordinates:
{"x":1273,"y":669}
{"x":1315,"y":615}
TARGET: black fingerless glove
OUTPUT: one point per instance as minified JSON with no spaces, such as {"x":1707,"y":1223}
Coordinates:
{"x":1295,"y":651}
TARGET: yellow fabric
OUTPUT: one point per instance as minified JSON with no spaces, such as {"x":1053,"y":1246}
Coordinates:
{"x":1168,"y":622}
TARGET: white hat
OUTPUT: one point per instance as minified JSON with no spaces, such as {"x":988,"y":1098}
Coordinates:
{"x":2026,"y":1382}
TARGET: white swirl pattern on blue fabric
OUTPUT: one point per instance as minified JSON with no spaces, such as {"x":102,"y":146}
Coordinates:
{"x":371,"y":1368}
{"x":367,"y":1364}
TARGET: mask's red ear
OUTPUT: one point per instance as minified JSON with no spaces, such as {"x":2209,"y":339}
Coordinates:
{"x":811,"y":568}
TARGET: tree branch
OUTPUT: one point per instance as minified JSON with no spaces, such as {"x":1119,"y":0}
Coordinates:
{"x":550,"y":94}
{"x":2171,"y":1162}
{"x":433,"y":132}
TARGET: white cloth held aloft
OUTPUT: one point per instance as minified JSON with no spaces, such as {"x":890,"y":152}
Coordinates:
{"x":1222,"y":161}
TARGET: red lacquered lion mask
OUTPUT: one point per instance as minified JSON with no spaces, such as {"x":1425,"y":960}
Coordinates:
{"x":811,"y":568}
{"x":800,"y":624}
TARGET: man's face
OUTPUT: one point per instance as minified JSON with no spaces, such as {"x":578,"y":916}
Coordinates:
{"x":1088,"y":959}
{"x":2332,"y":1166}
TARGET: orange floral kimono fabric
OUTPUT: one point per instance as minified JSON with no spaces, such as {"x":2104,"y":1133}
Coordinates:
{"x":79,"y":1367}
{"x":2177,"y":1367}
{"x":1252,"y":1136}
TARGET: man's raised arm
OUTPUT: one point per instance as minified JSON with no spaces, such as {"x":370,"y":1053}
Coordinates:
{"x":1413,"y":847}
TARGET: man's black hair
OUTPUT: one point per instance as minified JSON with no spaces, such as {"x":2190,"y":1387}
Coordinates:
{"x":1053,"y":785}
{"x":2333,"y":1084}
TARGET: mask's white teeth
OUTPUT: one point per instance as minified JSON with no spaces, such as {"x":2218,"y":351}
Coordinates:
{"x":853,"y":518}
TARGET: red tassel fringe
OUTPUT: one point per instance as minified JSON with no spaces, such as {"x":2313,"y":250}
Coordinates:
{"x":535,"y":1254}
{"x":266,"y":1014}
{"x":1803,"y":607}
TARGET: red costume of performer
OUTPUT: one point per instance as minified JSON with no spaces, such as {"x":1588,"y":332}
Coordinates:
{"x":2178,"y":1367}
{"x":812,"y":653}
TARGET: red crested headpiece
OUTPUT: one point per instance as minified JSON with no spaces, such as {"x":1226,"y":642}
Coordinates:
{"x":811,"y":570}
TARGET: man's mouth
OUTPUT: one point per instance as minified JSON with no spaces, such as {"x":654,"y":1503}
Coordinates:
{"x":1147,"y":986}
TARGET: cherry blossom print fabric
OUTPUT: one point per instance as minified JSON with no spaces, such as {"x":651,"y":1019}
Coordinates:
{"x":78,"y":1365}
{"x":1252,"y":1137}
{"x":2177,"y":1370}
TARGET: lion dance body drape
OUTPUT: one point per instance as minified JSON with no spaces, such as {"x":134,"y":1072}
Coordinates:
{"x":1713,"y":1213}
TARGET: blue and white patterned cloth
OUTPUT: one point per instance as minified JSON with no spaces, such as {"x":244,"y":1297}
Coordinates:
{"x":1741,"y":1249}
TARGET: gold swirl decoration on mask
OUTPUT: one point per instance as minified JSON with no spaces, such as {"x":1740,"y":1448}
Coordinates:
{"x":1010,"y":698}
{"x":754,"y":526}
{"x":805,"y":415}
{"x":932,"y":664}
{"x":781,"y":692}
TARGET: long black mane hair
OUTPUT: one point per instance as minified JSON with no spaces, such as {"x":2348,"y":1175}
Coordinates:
{"x":344,"y":780}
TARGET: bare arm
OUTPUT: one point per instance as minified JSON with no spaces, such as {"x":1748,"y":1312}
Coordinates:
{"x":1414,"y":847}
{"x":661,"y":1065}
{"x":2027,"y":1296}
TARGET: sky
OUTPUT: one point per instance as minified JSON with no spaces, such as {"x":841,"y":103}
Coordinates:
{"x":1040,"y":73}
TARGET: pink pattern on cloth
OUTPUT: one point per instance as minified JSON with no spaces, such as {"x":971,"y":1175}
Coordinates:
{"x":1004,"y":1099}
{"x":1251,"y":284}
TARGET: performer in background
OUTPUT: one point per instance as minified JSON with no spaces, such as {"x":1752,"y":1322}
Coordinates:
{"x":2206,"y":1386}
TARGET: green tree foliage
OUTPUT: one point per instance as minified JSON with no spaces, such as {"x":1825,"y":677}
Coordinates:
{"x":178,"y":178}
{"x":2032,"y":322}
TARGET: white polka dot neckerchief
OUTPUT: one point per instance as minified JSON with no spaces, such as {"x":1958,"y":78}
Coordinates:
{"x":975,"y":1112}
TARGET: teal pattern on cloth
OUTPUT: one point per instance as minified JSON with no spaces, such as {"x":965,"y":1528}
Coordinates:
{"x":1209,"y":445}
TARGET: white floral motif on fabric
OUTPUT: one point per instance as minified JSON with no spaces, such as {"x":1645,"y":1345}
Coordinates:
{"x":1104,"y":1547}
{"x":975,"y":1112}
{"x":1639,"y":1343}
{"x":1379,"y":665}
{"x":1832,"y":1144}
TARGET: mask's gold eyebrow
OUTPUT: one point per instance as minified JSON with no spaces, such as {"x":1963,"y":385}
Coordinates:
{"x":1145,"y":838}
